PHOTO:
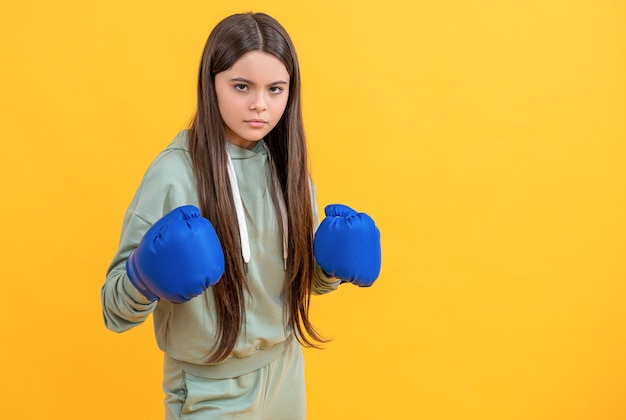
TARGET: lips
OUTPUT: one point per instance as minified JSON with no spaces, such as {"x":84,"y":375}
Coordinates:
{"x":256,"y":123}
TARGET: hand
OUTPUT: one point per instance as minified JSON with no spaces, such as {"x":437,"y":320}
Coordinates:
{"x":178,"y":258}
{"x":347,"y":246}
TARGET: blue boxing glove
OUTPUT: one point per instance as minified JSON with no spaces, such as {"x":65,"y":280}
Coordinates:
{"x":178,"y":258}
{"x":347,"y":246}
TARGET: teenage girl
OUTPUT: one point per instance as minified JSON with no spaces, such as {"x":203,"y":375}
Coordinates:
{"x":219,"y":242}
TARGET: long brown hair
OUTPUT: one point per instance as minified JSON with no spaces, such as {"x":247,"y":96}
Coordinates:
{"x":231,"y":38}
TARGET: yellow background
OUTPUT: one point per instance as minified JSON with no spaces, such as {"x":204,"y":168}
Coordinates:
{"x":486,"y":138}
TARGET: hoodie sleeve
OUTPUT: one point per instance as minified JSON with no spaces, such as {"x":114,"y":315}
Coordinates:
{"x":322,"y":284}
{"x":123,"y":306}
{"x":168,"y":183}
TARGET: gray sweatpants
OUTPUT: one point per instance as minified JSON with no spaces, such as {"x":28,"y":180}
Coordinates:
{"x":273,"y":392}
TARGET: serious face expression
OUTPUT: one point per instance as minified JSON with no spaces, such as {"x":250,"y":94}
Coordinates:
{"x":252,"y":96}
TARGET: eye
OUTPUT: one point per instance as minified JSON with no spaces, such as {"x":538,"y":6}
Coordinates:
{"x":241,"y":87}
{"x":276,"y":90}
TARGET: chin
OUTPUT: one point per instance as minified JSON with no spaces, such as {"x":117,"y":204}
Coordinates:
{"x":256,"y":138}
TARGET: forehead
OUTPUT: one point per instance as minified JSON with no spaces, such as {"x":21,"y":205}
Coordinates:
{"x":259,"y":67}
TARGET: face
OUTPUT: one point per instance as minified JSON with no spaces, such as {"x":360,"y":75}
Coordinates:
{"x":252,"y":96}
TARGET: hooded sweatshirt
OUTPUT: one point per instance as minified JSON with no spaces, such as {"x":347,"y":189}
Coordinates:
{"x":187,"y":331}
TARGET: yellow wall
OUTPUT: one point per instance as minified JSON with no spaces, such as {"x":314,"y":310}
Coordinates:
{"x":486,"y":138}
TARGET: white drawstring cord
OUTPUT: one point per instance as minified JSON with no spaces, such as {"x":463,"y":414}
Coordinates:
{"x":241,"y":217}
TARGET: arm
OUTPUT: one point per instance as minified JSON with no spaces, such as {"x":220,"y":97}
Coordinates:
{"x":123,"y":306}
{"x":167,"y":184}
{"x":322,"y":283}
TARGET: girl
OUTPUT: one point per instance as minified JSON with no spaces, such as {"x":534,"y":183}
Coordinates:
{"x":219,"y":244}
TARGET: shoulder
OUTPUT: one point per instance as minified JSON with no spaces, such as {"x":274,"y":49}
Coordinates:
{"x":175,"y":155}
{"x":169,"y":181}
{"x":173,"y":164}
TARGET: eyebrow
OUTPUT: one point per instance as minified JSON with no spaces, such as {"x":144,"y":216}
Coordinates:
{"x":250,"y":82}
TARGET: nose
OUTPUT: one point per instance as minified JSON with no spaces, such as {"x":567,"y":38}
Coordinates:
{"x":258,"y":104}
